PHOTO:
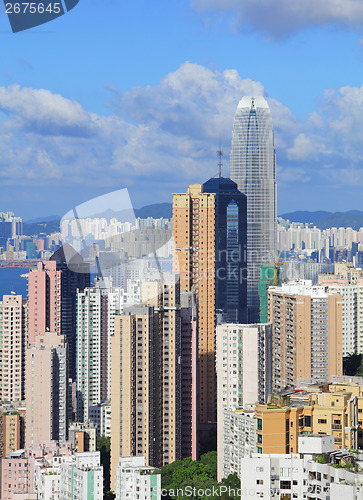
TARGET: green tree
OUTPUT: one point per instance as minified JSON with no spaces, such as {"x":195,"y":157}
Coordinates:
{"x":199,"y":477}
{"x":104,"y":446}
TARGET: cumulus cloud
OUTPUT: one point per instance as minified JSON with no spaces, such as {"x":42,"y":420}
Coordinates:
{"x":42,"y":112}
{"x":302,"y":148}
{"x":184,"y":98}
{"x":282,"y":17}
{"x":167,"y":135}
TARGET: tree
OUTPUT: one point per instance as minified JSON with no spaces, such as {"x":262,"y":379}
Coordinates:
{"x":104,"y":446}
{"x":189,"y":475}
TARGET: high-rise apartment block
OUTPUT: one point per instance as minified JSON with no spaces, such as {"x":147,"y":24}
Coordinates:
{"x":52,"y":289}
{"x":96,"y":311}
{"x":75,"y":277}
{"x":307,"y":333}
{"x":239,"y":440}
{"x":13,"y":342}
{"x":44,"y":299}
{"x":253,"y":168}
{"x":210,"y":231}
{"x":147,"y":375}
{"x":244,"y":369}
{"x":348,"y":282}
{"x":46,"y":390}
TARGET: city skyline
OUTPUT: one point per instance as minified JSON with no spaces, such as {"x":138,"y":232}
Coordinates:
{"x":147,"y":115}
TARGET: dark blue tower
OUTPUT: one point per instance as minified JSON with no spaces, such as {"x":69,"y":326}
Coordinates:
{"x":231,"y":243}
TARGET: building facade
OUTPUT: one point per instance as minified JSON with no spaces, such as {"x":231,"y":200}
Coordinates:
{"x":47,"y":390}
{"x":239,"y":440}
{"x":316,"y":473}
{"x":307,"y":333}
{"x":96,"y":311}
{"x":147,"y":375}
{"x":244,"y":369}
{"x":135,"y":480}
{"x":13,"y":341}
{"x":210,"y":235}
{"x":253,"y":168}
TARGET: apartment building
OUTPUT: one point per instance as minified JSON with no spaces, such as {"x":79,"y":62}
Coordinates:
{"x":244,"y":369}
{"x":13,"y":341}
{"x":307,"y":333}
{"x":46,"y":389}
{"x":96,"y":311}
{"x":135,"y":480}
{"x":239,"y":440}
{"x":210,"y":234}
{"x":316,"y":473}
{"x":147,"y":376}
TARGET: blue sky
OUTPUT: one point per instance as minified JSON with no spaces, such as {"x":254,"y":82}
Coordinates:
{"x":136,"y":94}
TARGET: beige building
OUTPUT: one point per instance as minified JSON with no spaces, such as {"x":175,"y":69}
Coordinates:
{"x":46,"y":390}
{"x":307,"y":333}
{"x":333,"y":409}
{"x":146,"y":378}
{"x":12,"y":348}
{"x":194,"y":238}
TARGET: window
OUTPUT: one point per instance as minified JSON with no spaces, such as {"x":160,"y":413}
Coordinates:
{"x":308,"y":421}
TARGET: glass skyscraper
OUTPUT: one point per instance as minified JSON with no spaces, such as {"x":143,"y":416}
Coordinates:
{"x":253,"y":168}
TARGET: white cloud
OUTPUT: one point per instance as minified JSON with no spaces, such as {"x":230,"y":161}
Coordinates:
{"x":40,"y":111}
{"x":282,"y":17}
{"x":168,"y":135}
{"x":302,"y":148}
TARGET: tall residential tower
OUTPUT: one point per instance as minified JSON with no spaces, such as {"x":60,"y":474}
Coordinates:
{"x":210,"y":235}
{"x":253,"y":168}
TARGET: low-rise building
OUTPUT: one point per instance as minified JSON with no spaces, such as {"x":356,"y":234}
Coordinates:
{"x":83,"y":436}
{"x":83,"y":478}
{"x":134,"y":480}
{"x":318,"y":473}
{"x":100,"y":415}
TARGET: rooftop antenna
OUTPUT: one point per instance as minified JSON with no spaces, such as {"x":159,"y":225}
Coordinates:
{"x":220,"y":154}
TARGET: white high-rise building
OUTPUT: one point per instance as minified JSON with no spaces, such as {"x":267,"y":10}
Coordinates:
{"x":244,"y":370}
{"x":239,"y":440}
{"x":352,"y":324}
{"x":253,"y":168}
{"x":96,"y":310}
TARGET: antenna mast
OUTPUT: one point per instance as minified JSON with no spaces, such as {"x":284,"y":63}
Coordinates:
{"x":220,"y":154}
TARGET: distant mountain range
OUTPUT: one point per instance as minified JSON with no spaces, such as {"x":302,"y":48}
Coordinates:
{"x":324,"y":220}
{"x":321,"y":219}
{"x":51,"y":223}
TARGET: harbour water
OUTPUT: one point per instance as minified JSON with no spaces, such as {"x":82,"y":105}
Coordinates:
{"x":11,"y":281}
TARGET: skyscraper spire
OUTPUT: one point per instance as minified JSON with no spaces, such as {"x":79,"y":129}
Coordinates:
{"x":253,"y":168}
